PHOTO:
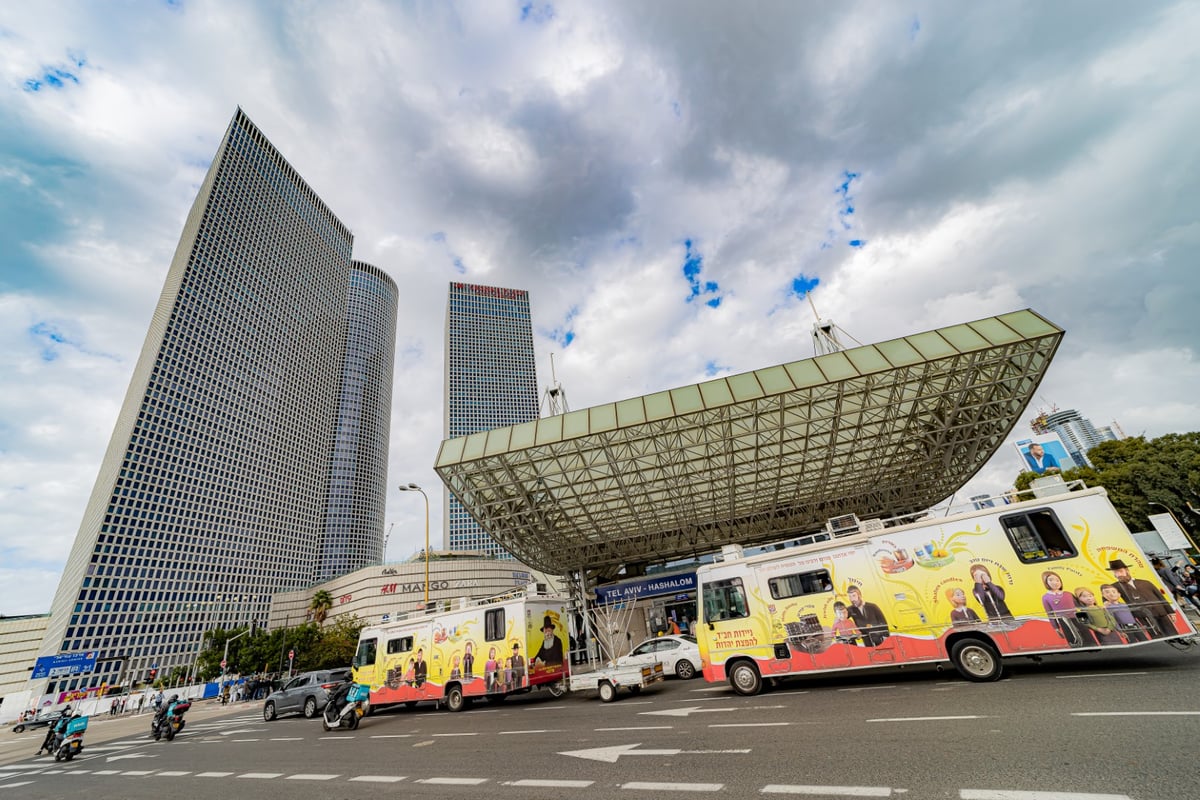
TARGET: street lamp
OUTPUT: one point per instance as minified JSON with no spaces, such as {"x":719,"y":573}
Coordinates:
{"x":412,"y":487}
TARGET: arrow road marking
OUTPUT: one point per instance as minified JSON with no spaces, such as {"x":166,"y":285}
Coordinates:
{"x":683,"y":712}
{"x":611,"y":754}
{"x":129,"y":755}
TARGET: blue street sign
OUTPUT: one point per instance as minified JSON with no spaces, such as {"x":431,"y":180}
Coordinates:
{"x":646,"y":587}
{"x":64,"y":664}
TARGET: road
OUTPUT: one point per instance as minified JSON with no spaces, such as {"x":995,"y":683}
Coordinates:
{"x":1076,"y":726}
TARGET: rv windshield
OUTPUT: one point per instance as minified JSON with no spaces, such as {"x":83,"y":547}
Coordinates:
{"x":365,"y":656}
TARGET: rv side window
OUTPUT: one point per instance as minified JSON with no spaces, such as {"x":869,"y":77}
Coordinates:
{"x":725,"y":600}
{"x":1037,"y":536}
{"x":365,"y":655}
{"x":402,"y":645}
{"x":800,"y":583}
{"x":493,"y":624}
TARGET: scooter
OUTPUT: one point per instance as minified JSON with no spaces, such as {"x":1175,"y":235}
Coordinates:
{"x":69,"y":743}
{"x":169,"y":722}
{"x":346,"y":707}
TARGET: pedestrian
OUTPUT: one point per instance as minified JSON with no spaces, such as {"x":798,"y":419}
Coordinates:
{"x":141,"y":702}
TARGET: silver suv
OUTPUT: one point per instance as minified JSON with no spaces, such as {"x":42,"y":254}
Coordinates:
{"x":306,"y":693}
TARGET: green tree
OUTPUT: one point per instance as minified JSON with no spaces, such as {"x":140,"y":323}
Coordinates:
{"x":1144,"y":477}
{"x":322,"y":601}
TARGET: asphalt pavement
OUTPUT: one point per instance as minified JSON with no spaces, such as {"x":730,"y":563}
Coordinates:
{"x":1083,"y":726}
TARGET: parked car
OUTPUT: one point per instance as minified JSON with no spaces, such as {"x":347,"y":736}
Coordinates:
{"x":307,"y":693}
{"x":42,"y":719}
{"x":680,"y":655}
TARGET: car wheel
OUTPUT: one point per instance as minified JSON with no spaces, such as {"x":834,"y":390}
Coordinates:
{"x":455,"y":700}
{"x":608,"y":692}
{"x":310,"y":707}
{"x":19,"y":729}
{"x":269,"y":712}
{"x":976,"y":660}
{"x":685,"y":669}
{"x":744,"y":678}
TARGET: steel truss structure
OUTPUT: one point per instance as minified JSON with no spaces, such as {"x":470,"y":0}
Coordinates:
{"x":878,"y":431}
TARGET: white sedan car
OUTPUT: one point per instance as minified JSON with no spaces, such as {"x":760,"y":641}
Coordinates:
{"x":679,"y":655}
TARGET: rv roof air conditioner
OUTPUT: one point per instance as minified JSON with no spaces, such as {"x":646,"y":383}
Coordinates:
{"x":845,"y":525}
{"x":732,"y":552}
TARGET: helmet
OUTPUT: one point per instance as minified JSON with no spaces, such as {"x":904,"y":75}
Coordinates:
{"x":174,"y":697}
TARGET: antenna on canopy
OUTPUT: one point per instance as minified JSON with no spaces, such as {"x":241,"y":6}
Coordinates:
{"x":554,"y":401}
{"x":825,"y":333}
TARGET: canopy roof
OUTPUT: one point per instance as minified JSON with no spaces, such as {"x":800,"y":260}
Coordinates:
{"x":880,"y":430}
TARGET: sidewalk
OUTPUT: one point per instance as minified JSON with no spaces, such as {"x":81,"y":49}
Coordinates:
{"x":15,"y":747}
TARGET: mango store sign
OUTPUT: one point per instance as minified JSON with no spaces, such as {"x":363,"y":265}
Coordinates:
{"x":649,"y":587}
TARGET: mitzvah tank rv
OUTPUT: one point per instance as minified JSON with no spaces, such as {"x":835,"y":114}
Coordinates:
{"x":1046,"y":575}
{"x":490,"y":648}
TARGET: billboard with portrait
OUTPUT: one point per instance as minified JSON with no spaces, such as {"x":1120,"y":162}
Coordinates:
{"x":1044,"y":454}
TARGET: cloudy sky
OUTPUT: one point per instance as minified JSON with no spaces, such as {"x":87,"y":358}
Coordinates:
{"x":665,"y":178}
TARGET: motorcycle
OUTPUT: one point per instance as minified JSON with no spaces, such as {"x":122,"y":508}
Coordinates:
{"x":69,"y":743}
{"x":346,"y":707}
{"x":169,"y":721}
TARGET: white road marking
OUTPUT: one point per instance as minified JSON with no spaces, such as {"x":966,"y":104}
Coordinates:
{"x":1004,"y":794}
{"x":684,"y":712}
{"x":674,"y":787}
{"x":174,"y":773}
{"x":260,"y":775}
{"x":137,"y":772}
{"x":303,"y":777}
{"x":925,"y":719}
{"x":378,"y":778}
{"x":393,"y":736}
{"x":208,"y":774}
{"x":514,"y":733}
{"x":15,"y":785}
{"x":107,"y":772}
{"x":864,"y":688}
{"x":749,"y":724}
{"x":245,"y":740}
{"x":327,"y":738}
{"x":465,"y":733}
{"x":454,"y":781}
{"x":639,"y":728}
{"x":537,"y":784}
{"x":1099,"y":675}
{"x":839,"y":791}
{"x":712,"y":689}
{"x":288,"y":739}
{"x":1134,"y":713}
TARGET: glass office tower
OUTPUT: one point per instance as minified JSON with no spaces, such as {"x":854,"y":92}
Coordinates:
{"x":249,"y":455}
{"x":491,"y":382}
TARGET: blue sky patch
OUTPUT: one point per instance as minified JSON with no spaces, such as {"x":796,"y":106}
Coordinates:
{"x":53,"y":341}
{"x":693,"y":263}
{"x":57,"y":77}
{"x":846,"y":207}
{"x":802,"y":285}
{"x":564,"y":334}
{"x":915,"y":27}
{"x":857,"y":242}
{"x":536,"y":13}
{"x":712,"y":369}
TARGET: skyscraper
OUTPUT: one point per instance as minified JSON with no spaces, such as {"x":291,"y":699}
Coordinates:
{"x":249,"y":454}
{"x":491,"y":382}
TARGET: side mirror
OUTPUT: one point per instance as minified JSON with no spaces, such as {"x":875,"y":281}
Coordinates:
{"x":711,"y":627}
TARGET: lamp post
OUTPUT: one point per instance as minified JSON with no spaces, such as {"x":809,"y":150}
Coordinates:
{"x":412,"y":487}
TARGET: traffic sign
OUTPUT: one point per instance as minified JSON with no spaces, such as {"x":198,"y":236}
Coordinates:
{"x":291,"y":654}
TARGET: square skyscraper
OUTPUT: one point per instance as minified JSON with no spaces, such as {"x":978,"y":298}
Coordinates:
{"x":491,"y":382}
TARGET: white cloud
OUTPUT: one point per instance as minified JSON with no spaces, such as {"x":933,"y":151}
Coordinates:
{"x":1009,"y":157}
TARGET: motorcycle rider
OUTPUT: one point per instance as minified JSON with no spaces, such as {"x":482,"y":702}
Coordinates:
{"x":160,"y":715}
{"x":52,"y":731}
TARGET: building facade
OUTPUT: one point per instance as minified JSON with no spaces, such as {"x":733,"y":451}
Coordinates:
{"x":383,"y":592}
{"x":20,"y":638}
{"x":254,"y":425}
{"x":491,"y":382}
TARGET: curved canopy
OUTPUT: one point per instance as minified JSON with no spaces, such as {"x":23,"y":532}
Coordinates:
{"x":880,"y":430}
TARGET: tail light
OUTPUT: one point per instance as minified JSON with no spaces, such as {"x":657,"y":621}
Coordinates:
{"x":329,"y":687}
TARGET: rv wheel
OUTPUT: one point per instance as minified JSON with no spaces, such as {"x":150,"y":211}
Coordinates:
{"x":744,"y":678}
{"x":455,"y":700}
{"x":976,"y":660}
{"x":608,"y":692}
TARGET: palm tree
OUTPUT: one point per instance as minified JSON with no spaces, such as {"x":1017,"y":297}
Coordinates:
{"x":322,"y":601}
